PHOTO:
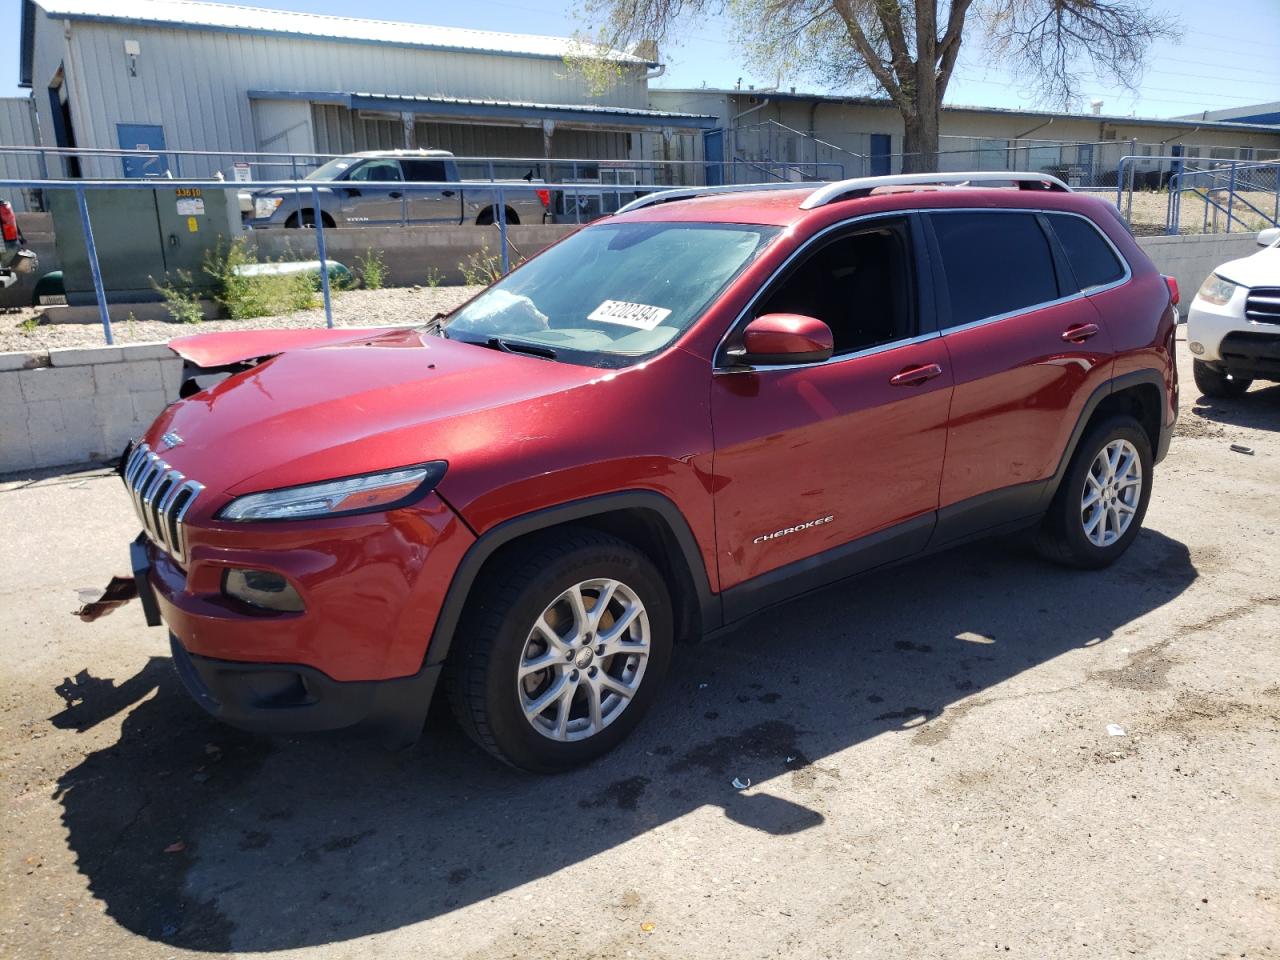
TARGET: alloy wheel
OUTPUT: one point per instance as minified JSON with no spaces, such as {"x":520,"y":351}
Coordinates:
{"x":583,"y":660}
{"x":1112,"y":491}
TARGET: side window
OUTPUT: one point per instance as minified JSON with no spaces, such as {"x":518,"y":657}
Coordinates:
{"x":1092,"y":260}
{"x":995,"y":263}
{"x":859,"y":285}
{"x":424,"y":171}
{"x":377,"y":171}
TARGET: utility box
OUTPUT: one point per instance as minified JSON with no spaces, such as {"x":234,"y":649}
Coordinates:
{"x":142,"y":237}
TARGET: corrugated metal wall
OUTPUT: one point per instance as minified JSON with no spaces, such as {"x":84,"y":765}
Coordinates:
{"x":17,"y":129}
{"x":195,"y":83}
{"x":339,"y":130}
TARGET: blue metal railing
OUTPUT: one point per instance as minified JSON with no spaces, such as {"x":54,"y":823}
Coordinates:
{"x":51,"y":160}
{"x":1228,"y":187}
{"x":501,"y":189}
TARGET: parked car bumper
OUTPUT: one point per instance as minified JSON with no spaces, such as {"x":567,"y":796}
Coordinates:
{"x":370,"y":586}
{"x":1221,"y":336}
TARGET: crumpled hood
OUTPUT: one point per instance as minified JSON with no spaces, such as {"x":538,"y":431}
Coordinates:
{"x":352,"y":406}
{"x":1261,"y":269}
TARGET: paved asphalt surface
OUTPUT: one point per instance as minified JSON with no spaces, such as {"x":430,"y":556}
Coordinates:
{"x":928,"y":751}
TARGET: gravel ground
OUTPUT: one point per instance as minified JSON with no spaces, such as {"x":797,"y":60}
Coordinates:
{"x":931,"y":772}
{"x":353,"y":308}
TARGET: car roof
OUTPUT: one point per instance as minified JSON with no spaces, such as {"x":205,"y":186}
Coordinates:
{"x":787,"y":206}
{"x":401,"y":154}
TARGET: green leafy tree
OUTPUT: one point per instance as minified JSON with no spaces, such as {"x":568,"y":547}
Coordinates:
{"x":908,"y":49}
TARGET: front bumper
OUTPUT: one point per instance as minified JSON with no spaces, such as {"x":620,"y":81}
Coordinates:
{"x":289,"y":697}
{"x":294,"y":698}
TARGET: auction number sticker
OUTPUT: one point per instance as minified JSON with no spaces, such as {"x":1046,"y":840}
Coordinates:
{"x":642,"y":316}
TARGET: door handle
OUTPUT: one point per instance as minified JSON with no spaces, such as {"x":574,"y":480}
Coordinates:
{"x":914,"y":376}
{"x":396,"y":194}
{"x":446,"y":193}
{"x":1080,"y":332}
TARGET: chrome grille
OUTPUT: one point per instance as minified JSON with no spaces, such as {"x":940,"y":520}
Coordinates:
{"x":161,"y":497}
{"x":1263,"y":305}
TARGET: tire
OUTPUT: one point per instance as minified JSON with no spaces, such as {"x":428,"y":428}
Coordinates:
{"x":489,"y":217}
{"x":1065,"y":536}
{"x":1215,"y":383}
{"x":307,"y":220}
{"x":497,"y":636}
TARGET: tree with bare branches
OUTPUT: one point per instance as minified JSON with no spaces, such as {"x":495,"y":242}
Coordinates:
{"x":909,"y":48}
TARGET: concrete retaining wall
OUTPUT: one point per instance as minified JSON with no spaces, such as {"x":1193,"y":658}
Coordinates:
{"x":410,"y":253}
{"x":1191,"y":259}
{"x":78,"y":405}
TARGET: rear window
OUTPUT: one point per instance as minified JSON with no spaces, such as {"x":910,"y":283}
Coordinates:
{"x":1092,"y":260}
{"x":995,"y":263}
{"x":424,"y":171}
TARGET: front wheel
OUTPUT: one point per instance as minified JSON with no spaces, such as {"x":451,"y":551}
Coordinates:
{"x":1103,"y":498}
{"x":1215,"y":383}
{"x":562,"y":648}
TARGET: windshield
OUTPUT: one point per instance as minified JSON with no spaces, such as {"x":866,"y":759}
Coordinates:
{"x":333,"y":169}
{"x":612,"y":293}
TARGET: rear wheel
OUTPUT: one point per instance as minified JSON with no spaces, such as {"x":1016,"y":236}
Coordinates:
{"x":1216,"y":383}
{"x":561,"y":650}
{"x":1100,"y":504}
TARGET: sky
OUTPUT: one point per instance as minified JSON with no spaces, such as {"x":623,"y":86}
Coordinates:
{"x":1229,"y":59}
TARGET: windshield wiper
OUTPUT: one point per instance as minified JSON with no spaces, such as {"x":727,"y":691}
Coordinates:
{"x":520,"y":346}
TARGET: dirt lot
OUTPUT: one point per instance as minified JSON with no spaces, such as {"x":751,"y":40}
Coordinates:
{"x":931,"y":770}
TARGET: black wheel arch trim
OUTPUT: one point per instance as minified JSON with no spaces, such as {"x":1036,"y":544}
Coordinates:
{"x":488,"y":543}
{"x":1125,"y":381}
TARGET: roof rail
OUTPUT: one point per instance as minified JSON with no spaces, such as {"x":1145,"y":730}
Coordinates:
{"x":862,"y":186}
{"x":690,"y":193}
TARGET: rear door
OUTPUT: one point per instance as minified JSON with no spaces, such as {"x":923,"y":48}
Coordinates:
{"x":142,"y":136}
{"x":365,"y":196}
{"x":840,"y":458}
{"x":1027,"y":349}
{"x":430,"y":204}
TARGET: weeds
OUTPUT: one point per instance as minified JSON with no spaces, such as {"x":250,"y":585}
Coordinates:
{"x":180,"y":297}
{"x":29,"y":325}
{"x":434,"y":278}
{"x":246,"y":294}
{"x":481,"y":268}
{"x":373,"y":270}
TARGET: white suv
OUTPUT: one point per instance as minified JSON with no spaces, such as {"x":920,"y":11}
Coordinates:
{"x":1233,"y":327}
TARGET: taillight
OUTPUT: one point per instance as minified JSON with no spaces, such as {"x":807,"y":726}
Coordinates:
{"x":8,"y":223}
{"x":545,"y":197}
{"x":1172,"y":284}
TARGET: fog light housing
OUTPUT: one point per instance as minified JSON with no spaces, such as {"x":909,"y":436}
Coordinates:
{"x":262,"y":589}
{"x":1196,"y":347}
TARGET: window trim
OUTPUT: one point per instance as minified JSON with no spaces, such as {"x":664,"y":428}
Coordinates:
{"x":943,"y":305}
{"x":1052,"y":231}
{"x":923,"y":295}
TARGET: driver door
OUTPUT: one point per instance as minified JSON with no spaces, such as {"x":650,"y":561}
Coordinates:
{"x":362,"y":203}
{"x":823,"y":469}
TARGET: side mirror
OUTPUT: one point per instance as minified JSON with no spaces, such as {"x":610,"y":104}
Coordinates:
{"x":782,"y":338}
{"x":1268,"y":236}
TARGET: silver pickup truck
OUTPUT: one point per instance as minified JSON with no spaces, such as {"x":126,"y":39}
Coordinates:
{"x":356,"y":194}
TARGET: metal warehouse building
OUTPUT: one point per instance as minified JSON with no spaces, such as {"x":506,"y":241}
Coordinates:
{"x":179,"y":75}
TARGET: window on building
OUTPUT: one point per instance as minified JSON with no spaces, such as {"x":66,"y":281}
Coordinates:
{"x":995,"y":263}
{"x":859,"y":285}
{"x":1092,"y":260}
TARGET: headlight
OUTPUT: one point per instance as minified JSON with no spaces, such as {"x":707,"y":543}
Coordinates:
{"x":373,"y":491}
{"x":264,"y":207}
{"x":1216,"y":290}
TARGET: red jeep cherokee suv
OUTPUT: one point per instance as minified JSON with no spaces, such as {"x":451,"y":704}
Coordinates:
{"x":711,"y":402}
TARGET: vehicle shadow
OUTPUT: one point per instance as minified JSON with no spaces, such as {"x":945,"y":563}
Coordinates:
{"x":291,"y":842}
{"x":1259,"y":409}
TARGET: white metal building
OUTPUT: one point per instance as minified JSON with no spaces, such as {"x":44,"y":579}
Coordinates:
{"x":182,"y":75}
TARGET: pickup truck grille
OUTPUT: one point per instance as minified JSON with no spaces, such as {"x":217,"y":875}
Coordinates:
{"x":1263,"y":305}
{"x":161,"y":496}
